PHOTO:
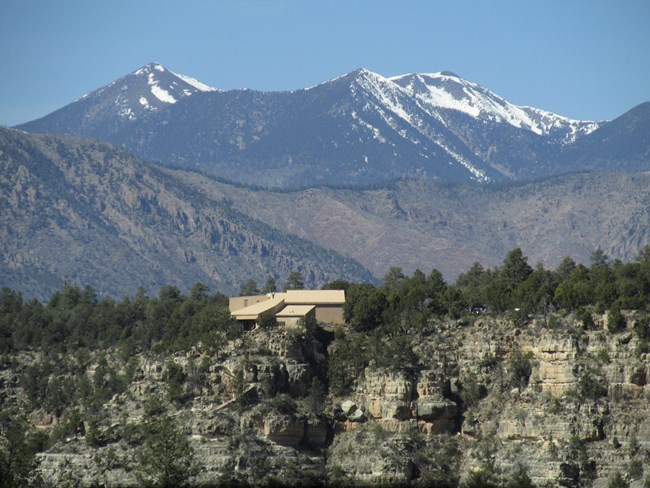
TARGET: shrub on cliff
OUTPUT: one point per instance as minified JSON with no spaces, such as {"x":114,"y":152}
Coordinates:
{"x":347,"y":359}
{"x":615,"y":320}
{"x":519,"y":368}
{"x":18,"y":448}
{"x":166,"y":458}
{"x":364,"y":307}
{"x":266,"y":320}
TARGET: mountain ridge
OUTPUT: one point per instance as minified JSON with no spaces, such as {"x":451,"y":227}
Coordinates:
{"x":87,"y":212}
{"x":358,"y":128}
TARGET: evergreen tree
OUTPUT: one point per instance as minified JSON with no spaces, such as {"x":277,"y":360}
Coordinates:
{"x":615,"y":320}
{"x":166,"y":459}
{"x":249,"y":288}
{"x":515,"y":268}
{"x":364,"y":307}
{"x":565,"y":268}
{"x":199,"y":292}
{"x":295,"y":281}
{"x":269,"y":286}
{"x":18,"y":461}
{"x":598,"y":258}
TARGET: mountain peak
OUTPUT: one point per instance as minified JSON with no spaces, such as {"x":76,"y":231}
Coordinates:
{"x":363,"y":72}
{"x":357,"y":74}
{"x":131,"y":98}
{"x":150,"y":68}
{"x":154,"y":69}
{"x":154,"y":86}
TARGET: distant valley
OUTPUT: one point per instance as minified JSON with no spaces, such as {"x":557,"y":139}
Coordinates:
{"x":91,"y":213}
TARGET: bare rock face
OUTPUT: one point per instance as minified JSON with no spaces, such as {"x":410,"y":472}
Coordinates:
{"x":387,"y":395}
{"x":283,"y":431}
{"x":348,"y":407}
{"x":556,"y":357}
{"x":437,"y":412}
{"x":368,"y":454}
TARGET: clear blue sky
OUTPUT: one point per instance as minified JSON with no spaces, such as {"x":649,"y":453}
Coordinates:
{"x":584,"y":59}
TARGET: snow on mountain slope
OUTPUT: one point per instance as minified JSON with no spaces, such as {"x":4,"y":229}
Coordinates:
{"x":446,"y":90}
{"x":147,"y":89}
{"x":358,"y":128}
{"x":553,"y":124}
{"x":399,"y":110}
{"x":195,"y":83}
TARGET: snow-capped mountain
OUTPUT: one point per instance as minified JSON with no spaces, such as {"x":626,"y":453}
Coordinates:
{"x":383,"y":111}
{"x":108,"y":110}
{"x":446,"y":90}
{"x":360,"y":128}
{"x":164,"y":87}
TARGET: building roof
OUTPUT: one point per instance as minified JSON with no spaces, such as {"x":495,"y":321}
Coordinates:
{"x":316,"y":297}
{"x":294,"y":298}
{"x":253,"y":311}
{"x":295,"y":311}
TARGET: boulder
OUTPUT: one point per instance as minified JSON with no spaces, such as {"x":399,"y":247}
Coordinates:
{"x":357,"y":415}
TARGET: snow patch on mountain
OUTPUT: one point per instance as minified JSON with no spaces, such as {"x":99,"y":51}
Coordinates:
{"x":549,"y":123}
{"x":445,"y":90}
{"x":195,"y":83}
{"x":400,"y":110}
{"x":388,"y":94}
{"x":162,"y":94}
{"x":149,"y":68}
{"x":477,"y":174}
{"x":126,"y":113}
{"x":376,"y":134}
{"x":151,"y":87}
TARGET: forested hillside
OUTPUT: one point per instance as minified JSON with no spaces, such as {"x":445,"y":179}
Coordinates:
{"x":415,"y":224}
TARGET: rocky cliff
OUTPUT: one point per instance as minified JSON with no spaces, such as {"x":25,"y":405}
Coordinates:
{"x":486,"y":398}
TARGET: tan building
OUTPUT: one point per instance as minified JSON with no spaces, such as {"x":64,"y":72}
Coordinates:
{"x":291,"y":315}
{"x":290,"y":306}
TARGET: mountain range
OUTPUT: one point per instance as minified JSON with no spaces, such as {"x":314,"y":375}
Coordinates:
{"x":160,"y":179}
{"x":357,"y":129}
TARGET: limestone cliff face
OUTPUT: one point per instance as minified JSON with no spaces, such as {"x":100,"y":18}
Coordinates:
{"x":570,"y":406}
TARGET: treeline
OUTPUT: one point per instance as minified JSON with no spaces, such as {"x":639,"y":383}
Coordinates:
{"x":515,"y":286}
{"x":75,"y":318}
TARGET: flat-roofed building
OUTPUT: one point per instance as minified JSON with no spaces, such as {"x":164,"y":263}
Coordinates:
{"x":326,"y":305}
{"x":291,"y":315}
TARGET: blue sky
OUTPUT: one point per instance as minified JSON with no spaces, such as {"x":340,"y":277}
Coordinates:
{"x":584,"y":59}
